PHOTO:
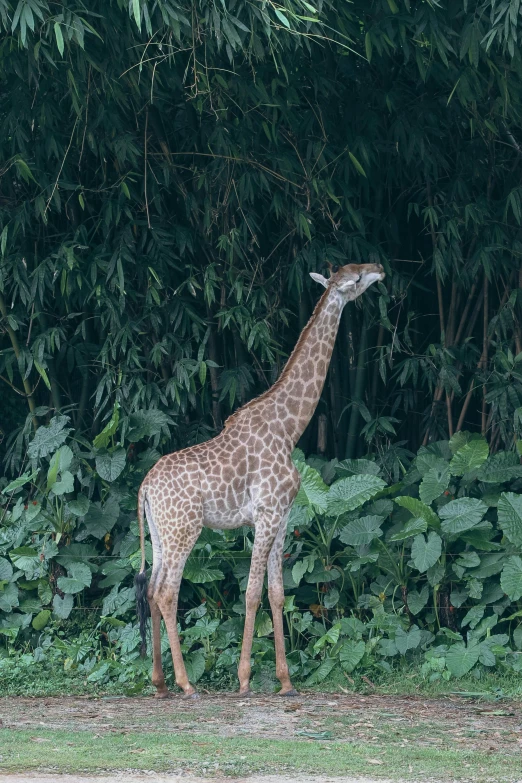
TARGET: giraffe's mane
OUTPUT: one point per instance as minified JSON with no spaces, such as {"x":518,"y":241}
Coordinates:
{"x":288,"y":366}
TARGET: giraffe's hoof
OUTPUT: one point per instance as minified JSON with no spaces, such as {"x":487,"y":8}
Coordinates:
{"x":244,"y":694}
{"x":292,"y":692}
{"x":192,"y":696}
{"x":166,"y":694}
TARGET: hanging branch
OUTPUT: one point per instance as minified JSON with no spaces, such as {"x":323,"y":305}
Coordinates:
{"x":485,"y":343}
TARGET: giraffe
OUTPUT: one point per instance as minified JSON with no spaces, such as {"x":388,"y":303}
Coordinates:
{"x":243,"y":476}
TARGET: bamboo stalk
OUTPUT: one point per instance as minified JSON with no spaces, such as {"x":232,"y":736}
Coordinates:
{"x":485,"y":344}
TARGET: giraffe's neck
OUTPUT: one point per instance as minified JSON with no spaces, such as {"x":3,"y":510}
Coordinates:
{"x":294,"y":397}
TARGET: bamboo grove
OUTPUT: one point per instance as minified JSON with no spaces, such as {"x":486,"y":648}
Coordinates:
{"x":171,"y":171}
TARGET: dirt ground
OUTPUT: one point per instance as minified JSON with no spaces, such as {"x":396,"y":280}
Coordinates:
{"x":480,"y":732}
{"x":490,"y":727}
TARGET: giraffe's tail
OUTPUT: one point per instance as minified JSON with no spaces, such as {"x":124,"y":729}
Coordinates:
{"x":140,"y":580}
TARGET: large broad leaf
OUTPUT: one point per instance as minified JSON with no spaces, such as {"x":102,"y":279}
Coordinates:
{"x":102,"y":440}
{"x":62,"y":607}
{"x":147,"y":423}
{"x":362,"y":531}
{"x":417,"y":601}
{"x":19,"y":482}
{"x":200,"y":574}
{"x":461,"y":659}
{"x":313,"y":491}
{"x":419,"y":509}
{"x":6,"y":570}
{"x":110,"y":466}
{"x":195,"y":665}
{"x":435,"y":482}
{"x":101,"y":518}
{"x":65,"y":484}
{"x":470,"y":457}
{"x":9,"y":597}
{"x":356,"y":467}
{"x":349,"y":493}
{"x":41,"y":619}
{"x":426,"y":551}
{"x":79,"y":506}
{"x":510,"y":516}
{"x":79,"y":578}
{"x":25,"y":558}
{"x":48,"y":439}
{"x":499,"y":468}
{"x":407,"y":640}
{"x":412,"y":528}
{"x":511,"y":578}
{"x":351,"y":654}
{"x":321,"y":673}
{"x":461,"y":514}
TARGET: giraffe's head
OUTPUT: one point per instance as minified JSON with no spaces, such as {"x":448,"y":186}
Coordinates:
{"x":351,"y":280}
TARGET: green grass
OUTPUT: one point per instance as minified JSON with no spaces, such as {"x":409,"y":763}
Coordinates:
{"x":50,"y":679}
{"x":85,"y":751}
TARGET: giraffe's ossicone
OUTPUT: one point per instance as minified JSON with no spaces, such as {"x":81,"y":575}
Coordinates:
{"x":244,"y":476}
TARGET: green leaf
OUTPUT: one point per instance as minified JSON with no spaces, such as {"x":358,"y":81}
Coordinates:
{"x":470,"y":457}
{"x":25,"y":558}
{"x":511,"y":578}
{"x":41,"y":619}
{"x":313,"y":491}
{"x":195,"y":665}
{"x":499,"y":468}
{"x":356,"y":467}
{"x":110,"y":466}
{"x":80,"y":578}
{"x":408,"y":640}
{"x":426,"y":552}
{"x":434,"y":483}
{"x":351,"y":653}
{"x":79,"y":505}
{"x":417,"y":601}
{"x":461,"y":514}
{"x":362,"y":531}
{"x":59,"y":37}
{"x":48,"y":439}
{"x":461,"y":659}
{"x":102,"y":440}
{"x":19,"y":482}
{"x":66,"y":484}
{"x":510,"y":516}
{"x":419,"y":509}
{"x":321,"y":673}
{"x":349,"y":493}
{"x":280,"y":15}
{"x":6,"y":570}
{"x":356,"y":164}
{"x":199,"y":574}
{"x":412,"y":528}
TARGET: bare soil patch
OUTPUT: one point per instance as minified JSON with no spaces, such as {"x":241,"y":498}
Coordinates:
{"x":450,"y":723}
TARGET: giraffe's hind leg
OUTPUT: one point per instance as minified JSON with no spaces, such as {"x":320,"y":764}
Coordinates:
{"x":158,"y":678}
{"x":166,"y":592}
{"x":276,"y":597}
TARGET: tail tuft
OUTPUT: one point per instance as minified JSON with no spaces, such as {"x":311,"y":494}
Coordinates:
{"x":142,"y":609}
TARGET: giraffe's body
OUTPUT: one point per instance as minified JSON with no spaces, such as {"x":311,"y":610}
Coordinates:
{"x":244,"y":476}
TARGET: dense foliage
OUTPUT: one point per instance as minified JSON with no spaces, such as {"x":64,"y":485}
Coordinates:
{"x":378,"y":568}
{"x":171,"y":171}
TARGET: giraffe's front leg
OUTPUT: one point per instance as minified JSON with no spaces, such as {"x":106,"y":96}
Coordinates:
{"x":264,"y":538}
{"x":276,"y":596}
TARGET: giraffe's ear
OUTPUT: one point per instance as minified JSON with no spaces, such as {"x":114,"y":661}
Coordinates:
{"x":319,"y":279}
